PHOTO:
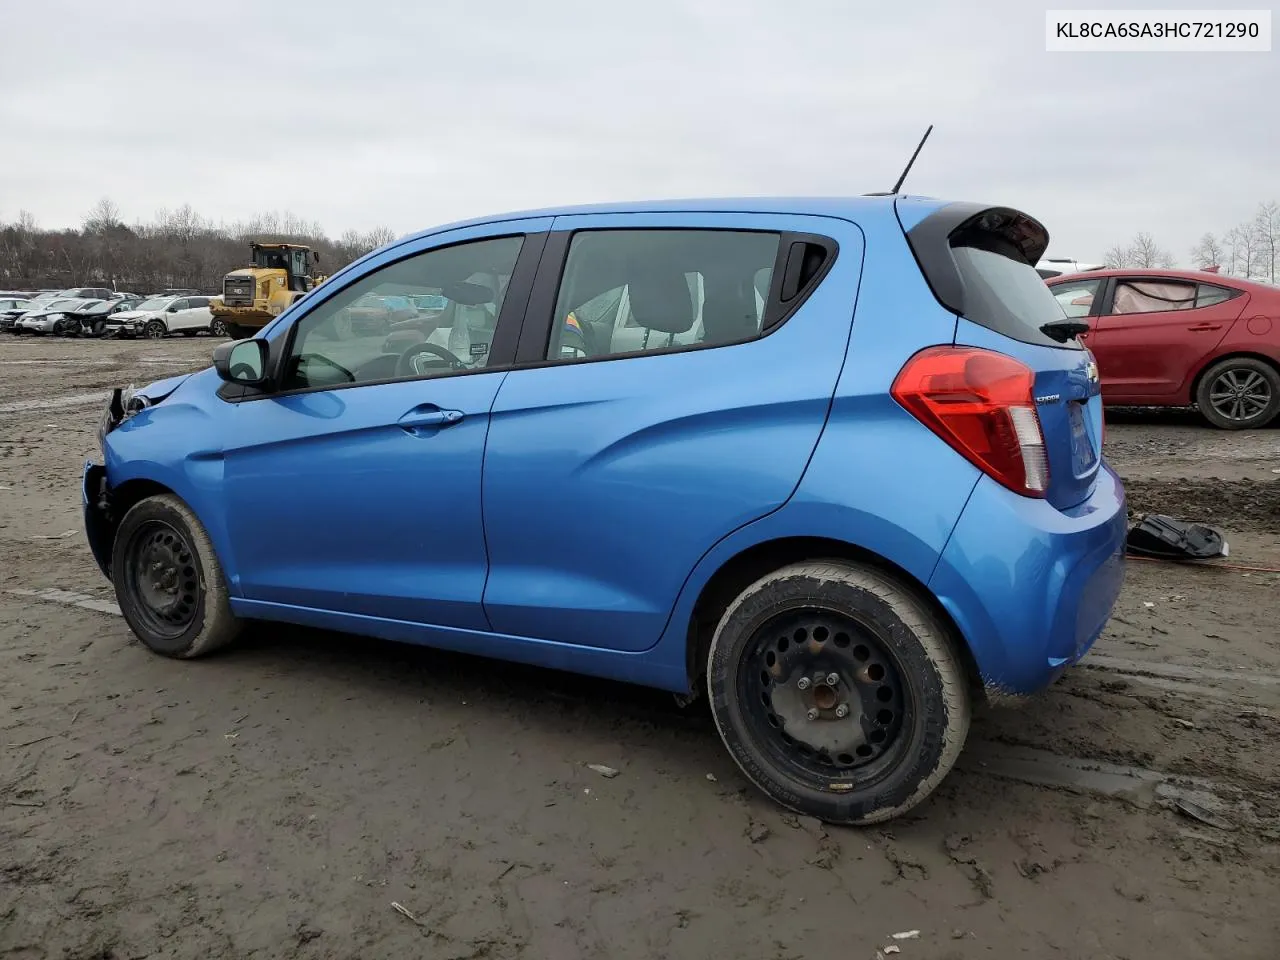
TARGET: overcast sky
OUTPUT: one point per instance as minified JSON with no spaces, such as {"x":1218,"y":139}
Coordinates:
{"x":358,"y":114}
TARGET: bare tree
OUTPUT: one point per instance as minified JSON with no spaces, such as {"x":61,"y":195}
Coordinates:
{"x":1145,"y":252}
{"x":1207,"y":252}
{"x":102,"y":216}
{"x":1117,"y":256}
{"x":1266,"y":229}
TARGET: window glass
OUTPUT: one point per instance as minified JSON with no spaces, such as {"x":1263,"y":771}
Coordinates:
{"x":1153,"y":296}
{"x":1076,"y":299}
{"x":179,"y":304}
{"x":628,"y":291}
{"x":424,"y":316}
{"x":1207,"y":295}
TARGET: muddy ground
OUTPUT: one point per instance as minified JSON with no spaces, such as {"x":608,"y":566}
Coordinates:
{"x":280,"y":800}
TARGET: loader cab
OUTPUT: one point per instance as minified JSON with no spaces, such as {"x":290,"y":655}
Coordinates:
{"x":294,"y":261}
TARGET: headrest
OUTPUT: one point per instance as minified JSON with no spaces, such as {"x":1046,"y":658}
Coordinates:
{"x":660,"y":299}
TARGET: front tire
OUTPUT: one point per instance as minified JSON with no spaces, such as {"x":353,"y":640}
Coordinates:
{"x":155,"y":330}
{"x":838,"y":692}
{"x":1239,"y":393}
{"x":168,"y":582}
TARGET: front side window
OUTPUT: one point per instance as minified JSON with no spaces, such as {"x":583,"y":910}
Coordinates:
{"x":1152,"y":296}
{"x":1076,"y":298}
{"x":448,"y":303}
{"x":636,"y":291}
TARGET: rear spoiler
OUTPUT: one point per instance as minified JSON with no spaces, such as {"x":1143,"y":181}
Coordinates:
{"x":931,"y":240}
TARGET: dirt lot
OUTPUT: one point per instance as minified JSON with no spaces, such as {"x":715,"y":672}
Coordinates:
{"x":278,"y":801}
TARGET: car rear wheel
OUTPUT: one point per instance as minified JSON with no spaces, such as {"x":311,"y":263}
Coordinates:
{"x":838,"y":692}
{"x":217,"y":328}
{"x":1239,"y":393}
{"x":155,"y":330}
{"x":168,"y":582}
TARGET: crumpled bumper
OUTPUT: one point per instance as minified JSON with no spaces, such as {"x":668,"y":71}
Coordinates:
{"x":95,"y":497}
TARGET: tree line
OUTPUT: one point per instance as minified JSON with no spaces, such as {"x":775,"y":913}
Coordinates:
{"x":177,"y":248}
{"x":1250,"y":249}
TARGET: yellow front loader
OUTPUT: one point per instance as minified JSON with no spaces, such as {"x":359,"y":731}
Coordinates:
{"x":253,"y":296}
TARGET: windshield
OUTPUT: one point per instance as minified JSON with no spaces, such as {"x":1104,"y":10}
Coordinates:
{"x":155,"y":303}
{"x":54,"y":304}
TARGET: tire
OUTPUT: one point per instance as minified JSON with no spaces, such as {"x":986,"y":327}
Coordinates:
{"x":217,"y":328}
{"x":187,"y":615}
{"x":802,"y":623}
{"x":155,"y":330}
{"x":1239,"y":393}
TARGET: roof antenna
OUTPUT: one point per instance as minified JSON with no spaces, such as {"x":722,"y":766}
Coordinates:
{"x":898,"y":186}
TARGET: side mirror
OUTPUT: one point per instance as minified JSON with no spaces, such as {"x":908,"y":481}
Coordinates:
{"x":242,"y":361}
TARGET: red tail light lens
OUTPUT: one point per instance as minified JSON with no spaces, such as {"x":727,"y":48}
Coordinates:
{"x":981,"y":403}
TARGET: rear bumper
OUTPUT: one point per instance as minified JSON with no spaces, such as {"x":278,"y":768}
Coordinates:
{"x":1029,"y":586}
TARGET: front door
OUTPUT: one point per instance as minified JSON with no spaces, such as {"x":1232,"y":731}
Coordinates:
{"x":1154,"y":331}
{"x":355,"y":487}
{"x":656,"y":422}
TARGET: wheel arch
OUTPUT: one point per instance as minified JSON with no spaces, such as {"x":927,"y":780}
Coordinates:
{"x":1229,"y":355}
{"x":750,"y":564}
{"x":127,"y":494}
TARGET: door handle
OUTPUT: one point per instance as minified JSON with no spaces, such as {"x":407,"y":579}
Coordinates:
{"x":1205,"y":327}
{"x":428,"y":415}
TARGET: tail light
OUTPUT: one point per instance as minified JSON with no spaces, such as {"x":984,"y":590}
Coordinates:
{"x":982,"y":404}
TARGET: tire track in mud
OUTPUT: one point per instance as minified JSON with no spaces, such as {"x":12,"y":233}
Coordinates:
{"x":1209,"y":801}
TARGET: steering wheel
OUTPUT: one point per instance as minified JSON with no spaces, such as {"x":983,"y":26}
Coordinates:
{"x":408,"y":364}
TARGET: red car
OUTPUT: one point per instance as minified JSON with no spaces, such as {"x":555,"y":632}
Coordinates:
{"x":1181,"y":337}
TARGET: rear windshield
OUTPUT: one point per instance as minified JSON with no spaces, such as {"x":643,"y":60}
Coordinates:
{"x":1004,"y":293}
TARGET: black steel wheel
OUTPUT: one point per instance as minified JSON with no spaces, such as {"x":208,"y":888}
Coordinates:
{"x":838,"y":692}
{"x":168,"y":582}
{"x":1239,"y":393}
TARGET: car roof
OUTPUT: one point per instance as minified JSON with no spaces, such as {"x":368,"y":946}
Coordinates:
{"x":815,"y":206}
{"x":1194,"y":276}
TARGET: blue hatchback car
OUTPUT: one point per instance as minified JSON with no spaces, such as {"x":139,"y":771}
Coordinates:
{"x":838,"y":460}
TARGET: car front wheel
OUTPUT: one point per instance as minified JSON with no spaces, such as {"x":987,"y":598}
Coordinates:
{"x":1239,"y":393}
{"x":168,"y":583}
{"x":155,"y":330}
{"x":838,"y":692}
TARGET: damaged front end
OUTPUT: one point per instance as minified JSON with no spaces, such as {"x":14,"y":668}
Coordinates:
{"x":100,"y":516}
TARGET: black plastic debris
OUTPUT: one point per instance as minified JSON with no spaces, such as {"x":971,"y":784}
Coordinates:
{"x":1167,"y":538}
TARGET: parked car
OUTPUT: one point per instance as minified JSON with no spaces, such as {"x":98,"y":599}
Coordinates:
{"x":47,"y":317}
{"x":13,"y":304}
{"x":89,"y":293}
{"x":1181,"y":337}
{"x":1057,"y":266}
{"x":844,"y":525}
{"x":161,"y":316}
{"x":91,"y":318}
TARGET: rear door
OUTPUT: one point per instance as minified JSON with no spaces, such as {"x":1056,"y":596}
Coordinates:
{"x":1155,"y":330}
{"x":660,"y":404}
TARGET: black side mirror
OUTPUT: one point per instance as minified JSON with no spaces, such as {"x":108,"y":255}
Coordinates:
{"x":242,"y":361}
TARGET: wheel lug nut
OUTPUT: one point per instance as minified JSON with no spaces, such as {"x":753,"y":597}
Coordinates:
{"x":833,"y":679}
{"x":812,"y":714}
{"x":803,"y":684}
{"x":842,"y":711}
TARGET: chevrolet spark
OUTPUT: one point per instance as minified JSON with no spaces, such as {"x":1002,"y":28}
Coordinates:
{"x":837,"y":462}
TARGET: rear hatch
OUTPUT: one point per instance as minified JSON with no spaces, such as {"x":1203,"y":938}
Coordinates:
{"x":980,"y":263}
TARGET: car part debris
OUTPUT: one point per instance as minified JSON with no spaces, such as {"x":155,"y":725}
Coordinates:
{"x":1155,"y":535}
{"x":601,"y":769}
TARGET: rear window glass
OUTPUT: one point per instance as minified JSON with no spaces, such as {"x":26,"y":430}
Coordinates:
{"x":1005,"y":294}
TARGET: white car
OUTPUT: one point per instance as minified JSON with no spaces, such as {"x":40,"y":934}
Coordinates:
{"x":1056,"y":266}
{"x":47,"y":317}
{"x":161,"y":316}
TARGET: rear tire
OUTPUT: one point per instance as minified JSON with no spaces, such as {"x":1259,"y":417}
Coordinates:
{"x":168,"y":582}
{"x":1239,"y":393}
{"x":217,"y":328}
{"x":898,"y":678}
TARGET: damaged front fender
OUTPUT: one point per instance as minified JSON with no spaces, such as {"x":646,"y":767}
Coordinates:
{"x":99,"y":521}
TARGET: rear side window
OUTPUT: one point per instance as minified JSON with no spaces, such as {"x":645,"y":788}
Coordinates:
{"x":1208,"y":295}
{"x":980,"y":263}
{"x":638,"y":291}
